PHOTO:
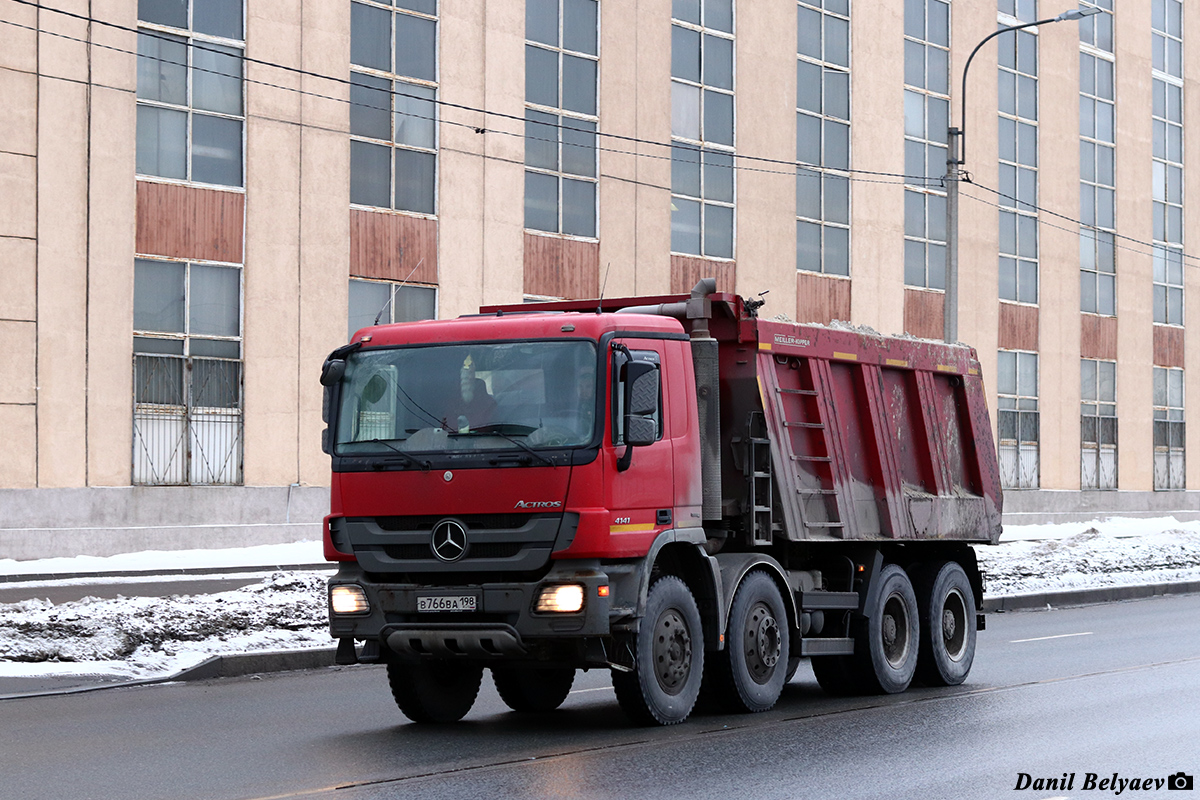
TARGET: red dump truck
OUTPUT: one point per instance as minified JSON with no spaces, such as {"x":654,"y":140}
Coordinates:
{"x":672,"y":488}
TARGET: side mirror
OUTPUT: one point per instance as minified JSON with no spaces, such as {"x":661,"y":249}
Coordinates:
{"x":332,"y":371}
{"x":641,"y":401}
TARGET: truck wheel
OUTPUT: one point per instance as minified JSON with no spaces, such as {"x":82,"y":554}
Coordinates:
{"x":668,"y":658}
{"x":947,"y":606}
{"x":755,"y":659}
{"x":533,"y":690}
{"x":836,"y":675}
{"x":435,"y":691}
{"x":885,"y":651}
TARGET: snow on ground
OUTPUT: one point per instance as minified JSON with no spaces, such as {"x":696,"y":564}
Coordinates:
{"x":142,"y":637}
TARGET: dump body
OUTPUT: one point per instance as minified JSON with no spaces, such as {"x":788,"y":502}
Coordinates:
{"x":550,"y":486}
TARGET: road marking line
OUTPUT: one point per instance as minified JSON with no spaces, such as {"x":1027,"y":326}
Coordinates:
{"x":1044,"y":638}
{"x":597,"y":689}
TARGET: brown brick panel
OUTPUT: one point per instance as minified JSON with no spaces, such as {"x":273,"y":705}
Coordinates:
{"x":1168,"y":346}
{"x":924,"y":313}
{"x":395,"y":247}
{"x":558,"y":267}
{"x":1018,"y":327}
{"x":687,"y":271}
{"x":1098,"y":337}
{"x":821,"y":298}
{"x":188,"y":222}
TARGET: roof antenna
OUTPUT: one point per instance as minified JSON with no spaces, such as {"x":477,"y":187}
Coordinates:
{"x":600,"y":302}
{"x":396,"y":288}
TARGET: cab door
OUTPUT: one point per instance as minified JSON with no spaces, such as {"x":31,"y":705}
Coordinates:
{"x":640,"y":492}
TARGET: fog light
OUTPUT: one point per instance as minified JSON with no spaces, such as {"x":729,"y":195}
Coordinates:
{"x":349,"y":599}
{"x":564,"y":599}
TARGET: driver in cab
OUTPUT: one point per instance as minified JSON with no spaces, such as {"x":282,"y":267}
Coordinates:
{"x":473,"y":406}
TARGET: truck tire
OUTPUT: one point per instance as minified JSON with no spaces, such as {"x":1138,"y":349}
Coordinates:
{"x":752,"y":669}
{"x":668,"y":655}
{"x":947,"y":608}
{"x":533,"y":690}
{"x":887,"y":645}
{"x":836,"y":675}
{"x":434,"y":691}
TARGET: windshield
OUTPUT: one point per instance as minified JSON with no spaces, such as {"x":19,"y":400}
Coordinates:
{"x":485,"y":396}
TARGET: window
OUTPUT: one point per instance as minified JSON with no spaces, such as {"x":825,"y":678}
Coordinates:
{"x":823,"y":136}
{"x":1098,"y":424}
{"x":388,"y":302}
{"x":561,"y":80}
{"x":190,"y":110}
{"x":1018,"y":419}
{"x":1018,"y":135}
{"x":393,"y":105}
{"x":187,"y":423}
{"x":1169,"y":433}
{"x":1097,"y":179}
{"x":926,"y":120}
{"x":1020,"y":10}
{"x":702,"y":128}
{"x":1097,"y":31}
{"x":1167,"y":189}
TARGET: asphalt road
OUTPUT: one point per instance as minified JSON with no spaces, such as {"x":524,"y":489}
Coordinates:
{"x":1101,"y":689}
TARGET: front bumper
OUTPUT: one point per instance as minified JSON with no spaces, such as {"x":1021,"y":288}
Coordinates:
{"x":503,"y":625}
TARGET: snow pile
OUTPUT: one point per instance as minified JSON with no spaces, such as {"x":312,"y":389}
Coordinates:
{"x":143,"y":637}
{"x":1116,"y":552}
{"x":137,"y":637}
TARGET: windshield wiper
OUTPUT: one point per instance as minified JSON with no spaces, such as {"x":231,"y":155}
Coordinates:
{"x":424,"y":465}
{"x":506,"y":437}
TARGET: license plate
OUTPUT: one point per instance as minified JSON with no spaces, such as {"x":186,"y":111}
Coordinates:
{"x":446,"y":602}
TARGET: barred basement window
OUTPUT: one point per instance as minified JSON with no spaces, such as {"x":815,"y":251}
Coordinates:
{"x":1169,"y":429}
{"x":562,"y":66}
{"x":187,"y":422}
{"x":1098,"y":424}
{"x":703,"y":186}
{"x":1018,"y":421}
{"x":190,"y":113}
{"x":393,"y":108}
{"x":823,"y":136}
{"x":388,"y":302}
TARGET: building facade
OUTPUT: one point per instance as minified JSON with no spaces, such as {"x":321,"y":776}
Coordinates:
{"x":199,"y":199}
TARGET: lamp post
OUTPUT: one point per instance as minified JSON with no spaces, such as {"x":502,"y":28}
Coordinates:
{"x":956,"y":156}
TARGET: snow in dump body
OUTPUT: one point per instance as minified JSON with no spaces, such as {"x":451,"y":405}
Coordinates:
{"x":144,"y":637}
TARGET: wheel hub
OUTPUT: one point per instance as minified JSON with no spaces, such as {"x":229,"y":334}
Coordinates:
{"x":894,"y":626}
{"x":672,"y":651}
{"x":948,"y":625}
{"x":764,"y":645}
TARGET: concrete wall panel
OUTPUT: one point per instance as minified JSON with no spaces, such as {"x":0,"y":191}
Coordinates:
{"x":18,"y":467}
{"x":18,"y":279}
{"x":18,"y":195}
{"x":62,"y":210}
{"x":18,"y":116}
{"x":766,"y":127}
{"x":271,"y":315}
{"x":112,"y":204}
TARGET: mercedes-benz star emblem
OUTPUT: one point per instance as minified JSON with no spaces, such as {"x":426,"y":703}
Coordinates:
{"x":449,"y":540}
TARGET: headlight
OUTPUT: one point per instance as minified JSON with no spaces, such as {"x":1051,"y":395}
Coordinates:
{"x":348,"y":599}
{"x":563,"y":599}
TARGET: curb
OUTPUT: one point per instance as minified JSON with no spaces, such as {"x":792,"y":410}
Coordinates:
{"x":1085,"y":597}
{"x":230,"y":665}
{"x":324,"y":566}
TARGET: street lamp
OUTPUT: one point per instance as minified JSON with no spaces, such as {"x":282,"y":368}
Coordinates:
{"x":956,"y":141}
